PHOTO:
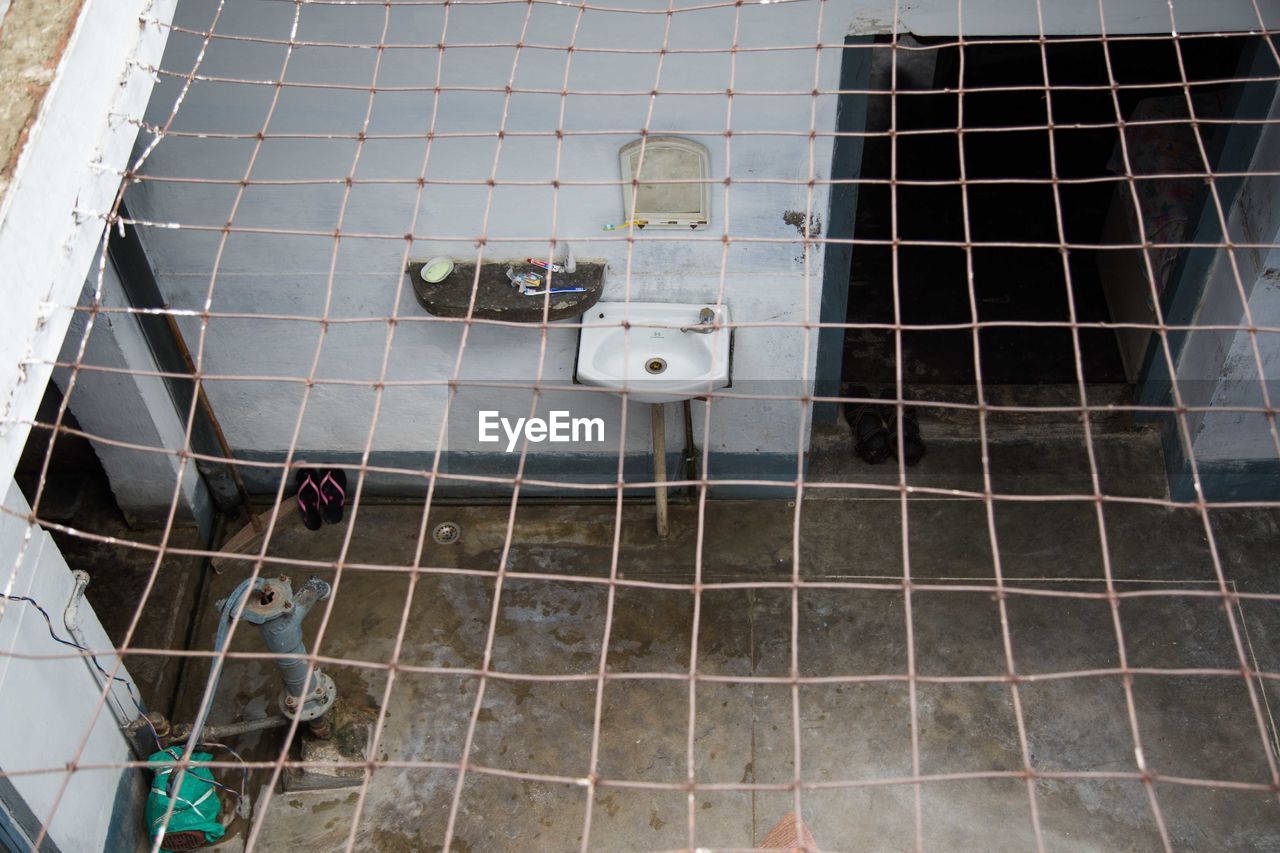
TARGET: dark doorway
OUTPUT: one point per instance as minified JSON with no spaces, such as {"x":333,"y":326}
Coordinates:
{"x":1013,"y":283}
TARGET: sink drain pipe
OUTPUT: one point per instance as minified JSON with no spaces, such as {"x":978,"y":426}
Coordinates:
{"x":692,"y":470}
{"x":658,"y":424}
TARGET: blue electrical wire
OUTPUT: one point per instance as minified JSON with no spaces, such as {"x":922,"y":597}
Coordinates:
{"x":142,"y":711}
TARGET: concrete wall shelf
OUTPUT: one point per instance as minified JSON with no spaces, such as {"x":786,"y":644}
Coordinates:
{"x":496,"y":299}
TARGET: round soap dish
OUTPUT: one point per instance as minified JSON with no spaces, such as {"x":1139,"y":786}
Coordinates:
{"x":436,"y":270}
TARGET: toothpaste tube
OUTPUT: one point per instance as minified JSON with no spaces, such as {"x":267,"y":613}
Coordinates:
{"x":545,"y":265}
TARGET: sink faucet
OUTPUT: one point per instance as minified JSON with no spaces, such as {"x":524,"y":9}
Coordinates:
{"x":705,"y":319}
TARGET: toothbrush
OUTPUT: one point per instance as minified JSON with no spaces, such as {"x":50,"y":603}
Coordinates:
{"x":639,"y":223}
{"x":557,"y":290}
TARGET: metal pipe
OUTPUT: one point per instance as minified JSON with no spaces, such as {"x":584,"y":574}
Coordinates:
{"x":658,"y":421}
{"x":283,"y":635}
{"x":182,"y":731}
{"x":272,"y":605}
{"x":691,"y":471}
{"x":71,"y":619}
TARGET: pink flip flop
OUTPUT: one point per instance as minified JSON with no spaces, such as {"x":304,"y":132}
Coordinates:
{"x":333,"y":492}
{"x":309,"y":498}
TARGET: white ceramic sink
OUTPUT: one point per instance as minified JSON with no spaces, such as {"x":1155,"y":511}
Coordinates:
{"x":651,"y":358}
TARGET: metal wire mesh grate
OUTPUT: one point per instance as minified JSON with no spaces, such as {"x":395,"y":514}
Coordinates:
{"x":285,"y":69}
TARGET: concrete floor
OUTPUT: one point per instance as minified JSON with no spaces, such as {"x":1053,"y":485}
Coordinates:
{"x":1194,"y":727}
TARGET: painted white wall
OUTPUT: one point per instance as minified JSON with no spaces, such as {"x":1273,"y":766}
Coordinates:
{"x":65,"y":178}
{"x":51,"y":706}
{"x":1218,"y":368}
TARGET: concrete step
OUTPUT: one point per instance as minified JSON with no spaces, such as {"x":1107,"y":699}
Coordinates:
{"x":1036,"y":454}
{"x":1106,"y":403}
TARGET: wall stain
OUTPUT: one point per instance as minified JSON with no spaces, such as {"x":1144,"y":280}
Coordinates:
{"x":798,"y":219}
{"x":808,"y":227}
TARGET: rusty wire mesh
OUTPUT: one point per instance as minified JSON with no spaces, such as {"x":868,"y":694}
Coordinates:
{"x":728,"y":234}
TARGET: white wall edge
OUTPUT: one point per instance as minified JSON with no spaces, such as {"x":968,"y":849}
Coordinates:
{"x":66,"y":178}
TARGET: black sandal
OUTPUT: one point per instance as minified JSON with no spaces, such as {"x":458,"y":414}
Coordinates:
{"x":870,"y":433}
{"x":913,"y":448}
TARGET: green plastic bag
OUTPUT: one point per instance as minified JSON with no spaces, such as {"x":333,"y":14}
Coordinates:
{"x":196,"y":806}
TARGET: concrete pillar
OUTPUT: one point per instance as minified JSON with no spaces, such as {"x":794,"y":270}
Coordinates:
{"x":1217,"y":369}
{"x":130,"y":407}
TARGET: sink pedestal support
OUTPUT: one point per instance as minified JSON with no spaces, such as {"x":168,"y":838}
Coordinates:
{"x":658,"y":424}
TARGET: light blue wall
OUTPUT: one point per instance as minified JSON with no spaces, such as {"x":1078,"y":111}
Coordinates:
{"x":270,"y":277}
{"x":1235,"y":452}
{"x":284,"y":275}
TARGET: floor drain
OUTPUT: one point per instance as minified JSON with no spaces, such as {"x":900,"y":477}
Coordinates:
{"x":446,"y":533}
{"x":655,"y":365}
